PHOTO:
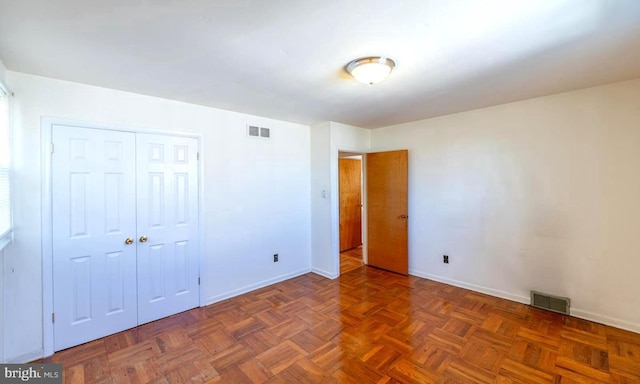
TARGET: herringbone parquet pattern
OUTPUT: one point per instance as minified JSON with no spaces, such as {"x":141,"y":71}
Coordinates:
{"x":368,"y":326}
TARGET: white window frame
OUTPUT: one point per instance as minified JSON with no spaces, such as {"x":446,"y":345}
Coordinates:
{"x":6,"y":236}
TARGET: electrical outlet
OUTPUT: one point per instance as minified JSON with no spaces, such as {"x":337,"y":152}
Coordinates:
{"x":275,"y":257}
{"x":445,"y":259}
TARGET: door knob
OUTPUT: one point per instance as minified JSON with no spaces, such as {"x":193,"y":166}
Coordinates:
{"x":403,"y":217}
{"x":128,"y":241}
{"x":143,"y":239}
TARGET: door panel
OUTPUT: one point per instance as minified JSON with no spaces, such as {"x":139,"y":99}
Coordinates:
{"x":350,"y":192}
{"x":168,"y":217}
{"x":387,"y":210}
{"x":94,"y":271}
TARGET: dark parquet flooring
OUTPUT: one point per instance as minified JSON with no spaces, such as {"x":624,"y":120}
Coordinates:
{"x":368,"y":326}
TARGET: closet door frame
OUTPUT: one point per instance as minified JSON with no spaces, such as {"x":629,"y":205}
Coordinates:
{"x":46,"y":133}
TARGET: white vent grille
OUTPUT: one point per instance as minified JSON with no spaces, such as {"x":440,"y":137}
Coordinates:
{"x":255,"y":131}
{"x":252,"y":130}
{"x":550,"y":302}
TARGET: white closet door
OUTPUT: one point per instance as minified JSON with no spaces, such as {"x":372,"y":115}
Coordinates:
{"x":94,"y":271}
{"x":167,"y":225}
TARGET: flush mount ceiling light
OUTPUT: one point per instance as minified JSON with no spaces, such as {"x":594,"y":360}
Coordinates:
{"x":371,"y":70}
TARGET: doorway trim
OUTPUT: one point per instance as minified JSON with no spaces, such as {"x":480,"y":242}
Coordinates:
{"x":335,"y":206}
{"x":46,"y":133}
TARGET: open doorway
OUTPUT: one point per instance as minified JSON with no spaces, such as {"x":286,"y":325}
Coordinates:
{"x":350,"y":210}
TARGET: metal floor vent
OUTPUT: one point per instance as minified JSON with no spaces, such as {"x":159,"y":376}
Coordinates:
{"x":550,"y":302}
{"x":256,"y":131}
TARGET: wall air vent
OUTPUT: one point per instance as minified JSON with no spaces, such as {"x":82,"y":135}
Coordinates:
{"x":550,"y":302}
{"x":255,"y":131}
{"x":252,"y":130}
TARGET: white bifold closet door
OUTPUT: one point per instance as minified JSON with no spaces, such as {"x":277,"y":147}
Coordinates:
{"x":125,"y":230}
{"x":94,"y":205}
{"x":168,"y":219}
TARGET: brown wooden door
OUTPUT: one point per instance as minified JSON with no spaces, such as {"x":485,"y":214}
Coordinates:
{"x":350,"y":191}
{"x":387,"y":211}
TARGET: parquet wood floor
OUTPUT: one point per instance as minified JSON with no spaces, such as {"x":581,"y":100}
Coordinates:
{"x":368,"y":326}
{"x":351,"y":259}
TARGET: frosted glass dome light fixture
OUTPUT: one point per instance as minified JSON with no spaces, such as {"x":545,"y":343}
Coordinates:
{"x":371,"y":70}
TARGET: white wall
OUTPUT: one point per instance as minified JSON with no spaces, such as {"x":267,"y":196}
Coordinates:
{"x":2,"y":327}
{"x":542,"y":194}
{"x":321,"y":261}
{"x":327,"y":139}
{"x":256,"y":193}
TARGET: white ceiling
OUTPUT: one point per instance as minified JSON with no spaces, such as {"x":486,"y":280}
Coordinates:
{"x":284,"y":59}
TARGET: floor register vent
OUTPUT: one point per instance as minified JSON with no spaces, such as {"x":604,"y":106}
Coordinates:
{"x":550,"y":302}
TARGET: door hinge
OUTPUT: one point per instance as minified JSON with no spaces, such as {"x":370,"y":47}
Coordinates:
{"x":197,"y":155}
{"x":51,"y":147}
{"x":198,"y":280}
{"x":53,"y":317}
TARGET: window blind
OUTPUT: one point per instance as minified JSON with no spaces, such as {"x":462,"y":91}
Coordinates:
{"x":6,"y":234}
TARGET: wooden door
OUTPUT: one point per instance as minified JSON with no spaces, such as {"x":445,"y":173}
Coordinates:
{"x":167,"y":174}
{"x":387,"y":210}
{"x":350,"y":191}
{"x":94,"y":266}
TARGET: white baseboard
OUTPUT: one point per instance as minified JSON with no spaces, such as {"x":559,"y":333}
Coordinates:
{"x":622,"y":324}
{"x":595,"y":317}
{"x":324,"y":273}
{"x":25,"y":358}
{"x":473,"y":287}
{"x":253,"y":287}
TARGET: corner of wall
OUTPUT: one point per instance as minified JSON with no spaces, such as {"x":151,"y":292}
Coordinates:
{"x":320,"y":142}
{"x":327,"y":139}
{"x":3,"y":71}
